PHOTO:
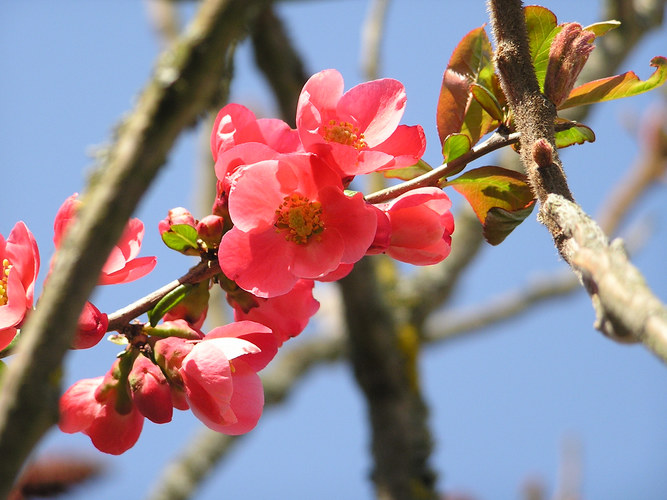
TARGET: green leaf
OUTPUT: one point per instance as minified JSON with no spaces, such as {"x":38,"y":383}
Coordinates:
{"x":170,"y":300}
{"x":182,"y":238}
{"x":455,"y":145}
{"x":488,"y":101}
{"x":458,"y":112}
{"x":408,"y":173}
{"x":541,"y":25}
{"x":499,"y":223}
{"x":578,"y":134}
{"x":500,"y":198}
{"x":615,"y":87}
{"x":602,"y":28}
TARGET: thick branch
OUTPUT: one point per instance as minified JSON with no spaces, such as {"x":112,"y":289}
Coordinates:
{"x":279,"y":61}
{"x":384,"y":358}
{"x":184,"y":82}
{"x":626,"y":309}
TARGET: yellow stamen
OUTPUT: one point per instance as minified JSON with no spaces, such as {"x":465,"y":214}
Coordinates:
{"x":299,"y":218}
{"x":6,"y":267}
{"x":344,"y":133}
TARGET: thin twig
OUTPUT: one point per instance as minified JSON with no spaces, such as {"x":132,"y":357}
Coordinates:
{"x":121,"y":317}
{"x":494,"y":142}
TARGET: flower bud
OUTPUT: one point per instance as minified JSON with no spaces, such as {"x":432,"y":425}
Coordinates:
{"x":568,"y":54}
{"x":92,"y":327}
{"x":150,"y":390}
{"x":169,"y":354}
{"x":210,"y":230}
{"x":178,"y":215}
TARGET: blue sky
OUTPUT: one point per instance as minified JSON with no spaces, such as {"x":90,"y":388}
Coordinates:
{"x":502,"y":401}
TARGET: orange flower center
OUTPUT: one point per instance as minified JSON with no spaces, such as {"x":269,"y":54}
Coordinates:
{"x":4,"y":276}
{"x":299,"y":218}
{"x":344,"y":133}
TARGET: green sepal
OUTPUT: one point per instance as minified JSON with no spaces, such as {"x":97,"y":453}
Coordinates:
{"x":170,"y":300}
{"x":164,"y":331}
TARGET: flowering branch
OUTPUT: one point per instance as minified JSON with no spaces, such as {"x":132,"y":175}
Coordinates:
{"x":202,"y":271}
{"x":28,"y":404}
{"x":496,"y":141}
{"x":625,"y":307}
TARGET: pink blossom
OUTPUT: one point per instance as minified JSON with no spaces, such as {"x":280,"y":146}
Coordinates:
{"x":122,"y":265}
{"x":91,"y":327}
{"x":286,"y":315}
{"x":102,"y":410}
{"x":358,"y":130}
{"x":19,"y":266}
{"x":220,"y":376}
{"x":421,"y":226}
{"x":291,"y":220}
{"x":236,"y":124}
{"x":169,"y":355}
{"x":176,"y":216}
{"x":210,"y":230}
{"x":150,"y":390}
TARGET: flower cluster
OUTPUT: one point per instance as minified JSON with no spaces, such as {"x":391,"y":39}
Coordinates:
{"x":284,"y":217}
{"x":284,"y":191}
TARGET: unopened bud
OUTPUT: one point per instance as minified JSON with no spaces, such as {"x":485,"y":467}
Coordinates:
{"x":542,"y":153}
{"x":150,"y":390}
{"x":91,"y":327}
{"x":568,"y":54}
{"x":210,"y":230}
{"x":178,"y":215}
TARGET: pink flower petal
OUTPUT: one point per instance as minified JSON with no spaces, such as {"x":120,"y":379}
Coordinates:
{"x":247,"y":400}
{"x":113,"y":433}
{"x":377,"y":107}
{"x":256,"y":333}
{"x":133,"y":270}
{"x":234,"y":124}
{"x":320,"y":255}
{"x":13,"y":312}
{"x":252,"y":261}
{"x":256,"y":195}
{"x":406,"y":145}
{"x":78,"y":407}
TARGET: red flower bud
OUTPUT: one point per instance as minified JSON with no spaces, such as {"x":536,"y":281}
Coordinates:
{"x":92,"y":327}
{"x":210,"y":230}
{"x":178,"y":215}
{"x":150,"y":390}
